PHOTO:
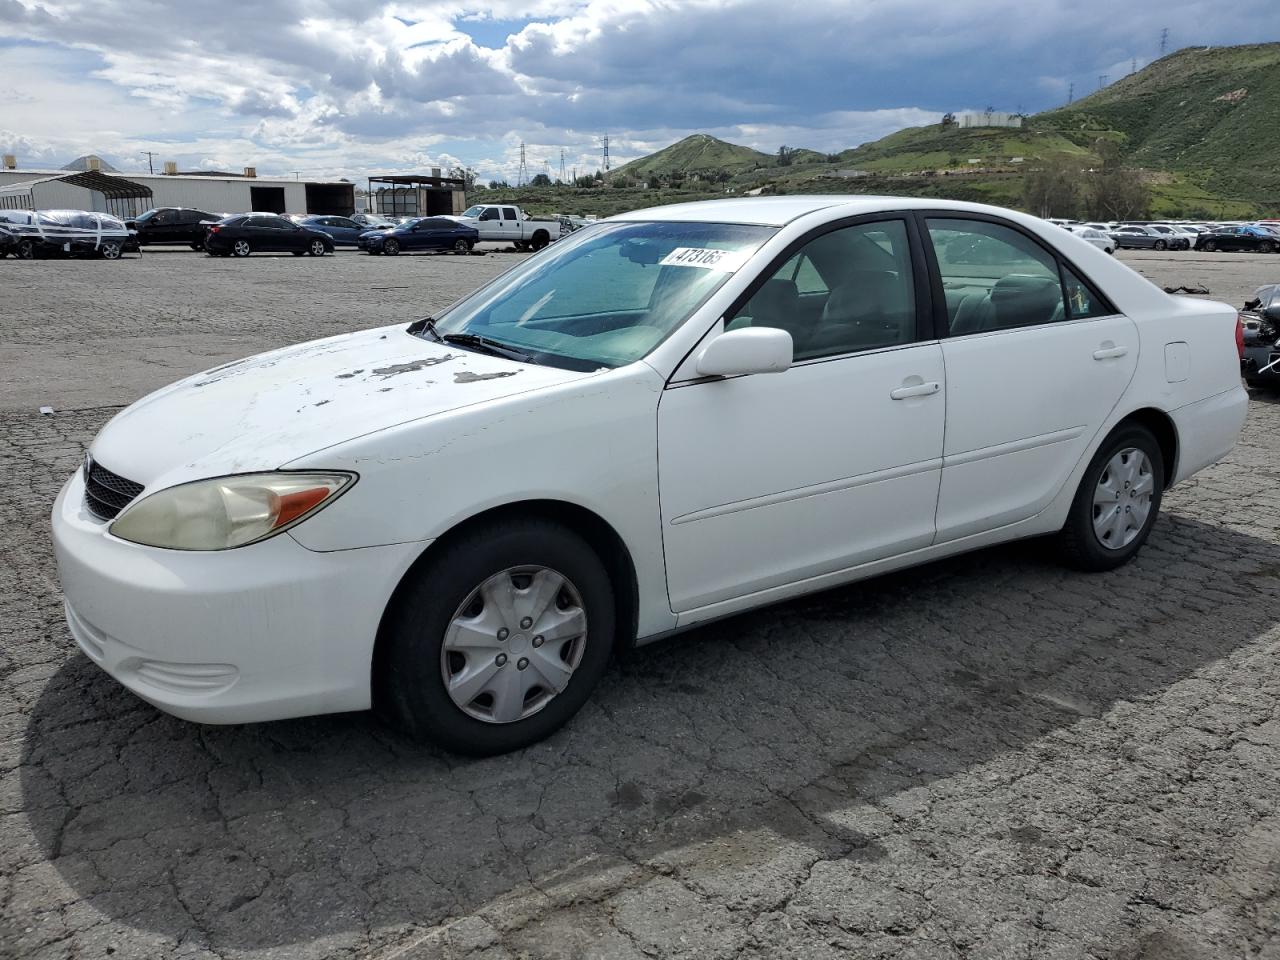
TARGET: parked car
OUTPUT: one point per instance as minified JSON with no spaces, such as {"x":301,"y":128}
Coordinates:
{"x":427,"y":233}
{"x":504,"y":222}
{"x":1175,"y":231}
{"x":1137,"y":237}
{"x":70,"y":233}
{"x":680,"y":414}
{"x":345,"y":231}
{"x":1099,"y":239}
{"x":173,"y":225}
{"x":1260,"y":329}
{"x":247,"y":233}
{"x":372,"y":221}
{"x":8,"y":240}
{"x":1246,"y":238}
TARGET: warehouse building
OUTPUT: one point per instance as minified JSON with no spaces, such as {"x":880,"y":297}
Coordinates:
{"x":416,"y":195}
{"x":126,"y":195}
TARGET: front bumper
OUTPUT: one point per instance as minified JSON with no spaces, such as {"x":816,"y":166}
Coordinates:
{"x":263,"y":632}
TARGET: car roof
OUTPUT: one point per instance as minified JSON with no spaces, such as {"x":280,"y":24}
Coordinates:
{"x":779,"y":211}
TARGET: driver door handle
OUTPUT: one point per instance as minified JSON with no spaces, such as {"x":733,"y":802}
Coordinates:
{"x":915,"y":390}
{"x":1109,"y":352}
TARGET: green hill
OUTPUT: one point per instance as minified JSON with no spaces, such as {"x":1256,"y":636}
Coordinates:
{"x":697,"y":155}
{"x":1209,"y":113}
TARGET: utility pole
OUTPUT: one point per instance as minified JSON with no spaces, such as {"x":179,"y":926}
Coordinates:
{"x":523,"y":173}
{"x":1164,"y":40}
{"x":148,"y":154}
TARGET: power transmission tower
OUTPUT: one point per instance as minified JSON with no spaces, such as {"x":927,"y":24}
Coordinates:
{"x":149,"y":155}
{"x":1102,"y":80}
{"x":1133,"y":66}
{"x":606,"y":153}
{"x":562,"y":164}
{"x":523,"y":173}
{"x":1071,"y":92}
{"x":1164,"y":40}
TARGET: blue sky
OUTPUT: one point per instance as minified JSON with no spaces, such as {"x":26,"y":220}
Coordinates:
{"x":333,"y":87}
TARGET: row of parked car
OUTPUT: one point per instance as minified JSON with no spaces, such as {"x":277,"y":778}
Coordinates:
{"x":1259,"y":237}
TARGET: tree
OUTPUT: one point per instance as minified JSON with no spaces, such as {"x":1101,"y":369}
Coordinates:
{"x":540,"y":180}
{"x":1117,"y":192}
{"x":1053,"y":189}
{"x":785,"y":155}
{"x":465,"y":174}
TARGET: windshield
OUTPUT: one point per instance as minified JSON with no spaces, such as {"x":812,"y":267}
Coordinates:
{"x":474,"y":211}
{"x":606,"y":297}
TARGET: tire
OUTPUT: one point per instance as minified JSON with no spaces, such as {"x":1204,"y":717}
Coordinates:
{"x":241,"y":248}
{"x":316,"y":248}
{"x":462,"y":246}
{"x":521,"y":246}
{"x":110,"y":250}
{"x":1210,"y":246}
{"x":26,"y":250}
{"x":540,"y":239}
{"x":391,"y":247}
{"x":1266,"y":246}
{"x":1161,"y":245}
{"x":1088,"y":542}
{"x":413,"y":659}
{"x":197,"y":246}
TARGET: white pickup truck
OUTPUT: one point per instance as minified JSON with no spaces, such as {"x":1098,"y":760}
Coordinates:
{"x":507,"y":222}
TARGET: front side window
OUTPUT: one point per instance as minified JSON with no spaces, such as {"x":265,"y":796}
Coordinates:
{"x":607,"y":296}
{"x":993,"y":277}
{"x":844,"y":291}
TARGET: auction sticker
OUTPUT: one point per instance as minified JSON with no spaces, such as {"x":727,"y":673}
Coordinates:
{"x":704,"y":257}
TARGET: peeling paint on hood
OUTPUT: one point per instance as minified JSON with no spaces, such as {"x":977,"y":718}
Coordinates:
{"x":265,"y":411}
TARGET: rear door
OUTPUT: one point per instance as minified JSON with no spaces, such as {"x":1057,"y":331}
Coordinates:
{"x":512,"y":229}
{"x":1036,"y":360}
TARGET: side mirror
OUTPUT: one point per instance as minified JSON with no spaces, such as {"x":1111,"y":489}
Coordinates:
{"x":737,"y":353}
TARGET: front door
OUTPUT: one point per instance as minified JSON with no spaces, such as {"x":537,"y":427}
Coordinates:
{"x":1036,"y":360}
{"x":770,"y":479}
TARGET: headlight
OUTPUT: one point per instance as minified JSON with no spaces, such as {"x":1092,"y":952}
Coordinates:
{"x":228,"y":511}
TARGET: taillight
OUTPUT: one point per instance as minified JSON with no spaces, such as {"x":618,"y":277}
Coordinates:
{"x":1240,"y":335}
{"x":215,"y":228}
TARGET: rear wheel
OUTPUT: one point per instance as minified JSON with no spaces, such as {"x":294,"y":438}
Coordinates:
{"x":1117,"y":502}
{"x":197,"y":245}
{"x":241,"y":248}
{"x":391,"y":247}
{"x":1161,"y":245}
{"x":316,"y":248}
{"x":26,"y":250}
{"x":499,"y":640}
{"x":1266,"y":246}
{"x":110,"y":249}
{"x":462,"y":246}
{"x":1210,"y":245}
{"x":540,"y":239}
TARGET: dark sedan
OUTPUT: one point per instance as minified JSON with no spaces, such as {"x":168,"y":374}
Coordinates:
{"x":1250,"y":239}
{"x":8,"y":240}
{"x":1138,"y":237}
{"x":248,"y":233}
{"x":345,"y":231}
{"x":427,"y":233}
{"x":173,"y":225}
{"x":1260,"y":319}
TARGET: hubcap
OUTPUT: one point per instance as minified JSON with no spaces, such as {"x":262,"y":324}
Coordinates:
{"x":514,"y":644}
{"x":242,"y":248}
{"x":1122,"y":499}
{"x":317,"y":248}
{"x":111,"y":251}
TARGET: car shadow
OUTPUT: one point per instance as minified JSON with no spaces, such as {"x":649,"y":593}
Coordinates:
{"x":774,"y":722}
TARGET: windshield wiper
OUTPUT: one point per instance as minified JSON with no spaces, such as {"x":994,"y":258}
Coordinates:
{"x":485,"y":345}
{"x":426,"y":325}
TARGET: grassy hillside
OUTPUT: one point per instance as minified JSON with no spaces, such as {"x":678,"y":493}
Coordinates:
{"x":1202,"y":122}
{"x":698,"y":154}
{"x":1209,"y":113}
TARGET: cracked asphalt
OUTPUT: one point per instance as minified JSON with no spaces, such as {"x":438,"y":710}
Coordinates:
{"x":989,"y":757}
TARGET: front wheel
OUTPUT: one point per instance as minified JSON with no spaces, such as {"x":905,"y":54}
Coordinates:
{"x":1266,"y":246}
{"x":110,"y":250}
{"x":1210,"y":246}
{"x":316,"y":249}
{"x":26,"y":250}
{"x":1117,"y":502}
{"x":499,"y":640}
{"x":462,"y":246}
{"x":241,"y":248}
{"x":1161,"y":245}
{"x":391,"y":247}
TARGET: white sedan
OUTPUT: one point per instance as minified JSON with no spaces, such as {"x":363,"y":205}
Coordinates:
{"x":673,"y":416}
{"x":1102,"y":241}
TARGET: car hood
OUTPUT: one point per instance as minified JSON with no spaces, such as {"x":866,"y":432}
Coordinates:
{"x":265,"y":411}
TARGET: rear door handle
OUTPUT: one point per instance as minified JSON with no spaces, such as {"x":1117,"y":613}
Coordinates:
{"x":916,"y":390}
{"x":1109,"y":352}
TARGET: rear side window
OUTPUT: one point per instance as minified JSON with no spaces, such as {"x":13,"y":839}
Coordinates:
{"x":995,"y":278}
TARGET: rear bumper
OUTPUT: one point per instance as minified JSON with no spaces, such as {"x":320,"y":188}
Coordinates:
{"x":264,"y":632}
{"x":1208,"y":429}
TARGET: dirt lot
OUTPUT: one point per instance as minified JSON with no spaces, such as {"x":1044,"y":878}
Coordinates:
{"x":988,"y":757}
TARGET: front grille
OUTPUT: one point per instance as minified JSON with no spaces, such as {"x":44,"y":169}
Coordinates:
{"x":107,"y":493}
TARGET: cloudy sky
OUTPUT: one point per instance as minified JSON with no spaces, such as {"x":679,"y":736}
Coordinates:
{"x":349,"y":87}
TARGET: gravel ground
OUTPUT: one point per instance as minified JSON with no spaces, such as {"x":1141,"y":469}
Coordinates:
{"x":988,"y":757}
